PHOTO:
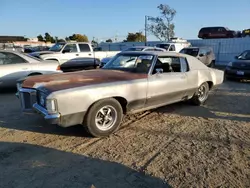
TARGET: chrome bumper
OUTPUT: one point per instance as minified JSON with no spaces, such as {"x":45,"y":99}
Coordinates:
{"x":50,"y":118}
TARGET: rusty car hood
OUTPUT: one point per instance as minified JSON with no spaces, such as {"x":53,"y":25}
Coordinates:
{"x":56,"y":82}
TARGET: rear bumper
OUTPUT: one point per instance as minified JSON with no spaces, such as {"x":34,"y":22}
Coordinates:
{"x":232,"y":73}
{"x":50,"y":118}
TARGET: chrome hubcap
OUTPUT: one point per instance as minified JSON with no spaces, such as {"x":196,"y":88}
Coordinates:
{"x":105,"y":118}
{"x":202,"y":93}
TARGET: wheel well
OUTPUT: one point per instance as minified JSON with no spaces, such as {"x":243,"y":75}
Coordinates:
{"x":53,"y":60}
{"x":123,"y":103}
{"x":35,"y":73}
{"x":210,"y":84}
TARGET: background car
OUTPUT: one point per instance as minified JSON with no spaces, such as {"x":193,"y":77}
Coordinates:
{"x":240,"y":67}
{"x":16,"y":65}
{"x":216,"y":32}
{"x":204,"y":54}
{"x":81,"y":63}
{"x":246,"y":33}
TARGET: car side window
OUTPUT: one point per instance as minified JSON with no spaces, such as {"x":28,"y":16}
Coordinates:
{"x":7,"y":58}
{"x":168,"y":64}
{"x":184,"y":65}
{"x":149,"y":50}
{"x":71,"y":48}
{"x":84,"y":48}
{"x":172,"y":48}
{"x":202,"y":51}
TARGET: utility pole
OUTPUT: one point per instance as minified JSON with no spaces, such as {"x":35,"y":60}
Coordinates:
{"x":146,"y":18}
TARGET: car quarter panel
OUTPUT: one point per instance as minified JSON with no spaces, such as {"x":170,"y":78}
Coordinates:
{"x":79,"y":99}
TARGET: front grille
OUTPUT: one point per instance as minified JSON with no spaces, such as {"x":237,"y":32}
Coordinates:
{"x":39,"y":95}
{"x":27,"y":98}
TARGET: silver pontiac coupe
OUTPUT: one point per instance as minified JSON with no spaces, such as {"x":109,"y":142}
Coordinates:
{"x":130,"y":82}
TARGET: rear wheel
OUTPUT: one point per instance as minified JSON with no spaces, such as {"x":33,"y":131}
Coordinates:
{"x":201,"y":94}
{"x":104,"y":117}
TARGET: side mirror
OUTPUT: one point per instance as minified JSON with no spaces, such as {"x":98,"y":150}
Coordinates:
{"x":66,"y":51}
{"x":237,"y":57}
{"x":159,"y":71}
{"x":201,"y":55}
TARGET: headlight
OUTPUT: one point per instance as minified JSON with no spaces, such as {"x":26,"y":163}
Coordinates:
{"x":18,"y":86}
{"x":42,"y":100}
{"x":51,"y":106}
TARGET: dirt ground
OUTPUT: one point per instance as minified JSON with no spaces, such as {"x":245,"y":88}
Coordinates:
{"x":175,"y":146}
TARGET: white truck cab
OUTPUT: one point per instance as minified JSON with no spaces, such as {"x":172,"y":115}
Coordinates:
{"x":63,"y":52}
{"x":174,"y":44}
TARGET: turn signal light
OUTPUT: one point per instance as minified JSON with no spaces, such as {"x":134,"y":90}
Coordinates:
{"x":58,"y":68}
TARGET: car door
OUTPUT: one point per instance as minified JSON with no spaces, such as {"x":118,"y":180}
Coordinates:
{"x":85,"y":50}
{"x":167,"y":83}
{"x":69,"y":51}
{"x":12,"y":68}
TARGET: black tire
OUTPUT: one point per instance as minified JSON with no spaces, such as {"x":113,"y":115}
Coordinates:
{"x":94,"y":113}
{"x":197,"y":99}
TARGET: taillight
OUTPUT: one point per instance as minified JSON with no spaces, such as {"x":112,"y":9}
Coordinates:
{"x":58,"y":67}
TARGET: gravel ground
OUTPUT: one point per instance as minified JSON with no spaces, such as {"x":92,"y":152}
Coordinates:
{"x":176,"y":146}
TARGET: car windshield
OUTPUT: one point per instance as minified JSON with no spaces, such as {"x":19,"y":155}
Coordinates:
{"x":164,"y":46}
{"x":245,"y":55}
{"x":134,"y":49}
{"x":190,"y":51}
{"x":57,"y":47}
{"x":32,"y":57}
{"x":130,"y":62}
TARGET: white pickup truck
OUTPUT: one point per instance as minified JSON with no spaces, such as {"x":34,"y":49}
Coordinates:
{"x":63,"y":52}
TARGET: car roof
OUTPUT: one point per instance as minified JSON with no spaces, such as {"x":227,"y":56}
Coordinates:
{"x":158,"y":53}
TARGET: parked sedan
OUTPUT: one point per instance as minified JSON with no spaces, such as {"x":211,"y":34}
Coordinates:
{"x":81,"y":63}
{"x":240,"y":67}
{"x":204,"y":54}
{"x":16,"y":65}
{"x":129,"y":83}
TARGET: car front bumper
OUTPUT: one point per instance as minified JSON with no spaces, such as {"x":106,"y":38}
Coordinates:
{"x":50,"y":118}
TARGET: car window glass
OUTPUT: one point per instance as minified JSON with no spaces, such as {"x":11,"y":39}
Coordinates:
{"x":160,"y":50}
{"x":71,"y":47}
{"x":202,"y":51}
{"x":168,"y":64}
{"x":84,"y":47}
{"x":7,"y":58}
{"x":150,"y":49}
{"x":172,"y":48}
{"x":184,"y":65}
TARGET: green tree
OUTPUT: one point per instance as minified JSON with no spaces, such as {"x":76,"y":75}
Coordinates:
{"x":136,"y":37}
{"x":109,"y":40}
{"x":79,"y":38}
{"x":40,"y":38}
{"x":47,"y":37}
{"x":94,"y":43}
{"x":67,"y":38}
{"x":162,"y":26}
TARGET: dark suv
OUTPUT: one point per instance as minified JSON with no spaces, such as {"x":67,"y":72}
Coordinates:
{"x":204,"y":54}
{"x":246,"y":33}
{"x":216,"y":32}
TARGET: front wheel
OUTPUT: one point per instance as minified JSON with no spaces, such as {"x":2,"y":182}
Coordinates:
{"x":104,"y":117}
{"x":201,"y":94}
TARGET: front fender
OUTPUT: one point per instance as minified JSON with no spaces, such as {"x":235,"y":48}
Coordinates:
{"x":79,"y":99}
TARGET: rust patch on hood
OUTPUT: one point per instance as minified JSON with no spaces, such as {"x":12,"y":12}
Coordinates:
{"x":56,"y":82}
